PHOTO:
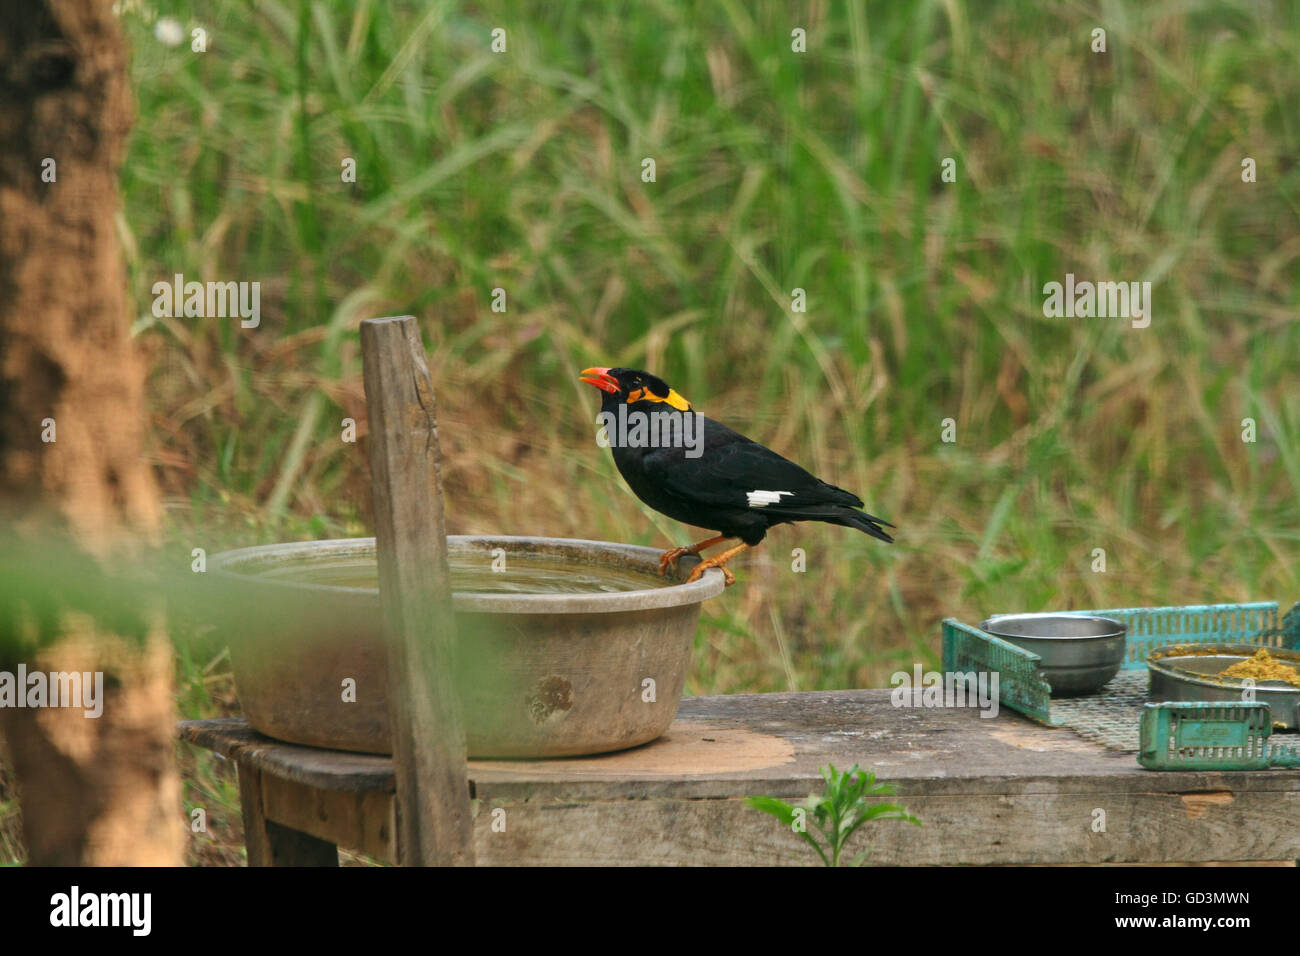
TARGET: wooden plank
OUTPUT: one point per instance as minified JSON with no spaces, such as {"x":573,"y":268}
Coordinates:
{"x":365,"y":822}
{"x":932,"y":751}
{"x":270,"y":843}
{"x":433,"y":810}
{"x":256,"y":840}
{"x":997,"y":830}
{"x":325,"y":769}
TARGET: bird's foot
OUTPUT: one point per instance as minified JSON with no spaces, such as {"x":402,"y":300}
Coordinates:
{"x":718,"y":561}
{"x":669,"y":559}
{"x":698,"y":571}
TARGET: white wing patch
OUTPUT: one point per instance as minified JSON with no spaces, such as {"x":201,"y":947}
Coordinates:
{"x":761,"y":499}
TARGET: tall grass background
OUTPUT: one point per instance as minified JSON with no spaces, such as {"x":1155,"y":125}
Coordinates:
{"x":775,"y":170}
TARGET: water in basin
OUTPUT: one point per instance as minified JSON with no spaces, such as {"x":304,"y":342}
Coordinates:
{"x":471,"y":572}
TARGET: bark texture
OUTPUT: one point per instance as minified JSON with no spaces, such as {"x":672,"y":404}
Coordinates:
{"x":93,"y":791}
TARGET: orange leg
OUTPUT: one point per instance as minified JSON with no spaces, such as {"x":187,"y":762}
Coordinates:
{"x":669,"y":558}
{"x":718,"y":561}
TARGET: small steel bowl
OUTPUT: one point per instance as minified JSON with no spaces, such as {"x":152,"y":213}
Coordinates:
{"x":1079,"y":653}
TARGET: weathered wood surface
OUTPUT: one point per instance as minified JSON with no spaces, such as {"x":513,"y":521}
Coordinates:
{"x":324,"y":769}
{"x":275,"y":844}
{"x":989,"y":791}
{"x":433,"y":808}
{"x":358,"y":820}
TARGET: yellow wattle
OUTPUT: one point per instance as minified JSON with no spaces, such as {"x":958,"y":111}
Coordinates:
{"x":673,"y":399}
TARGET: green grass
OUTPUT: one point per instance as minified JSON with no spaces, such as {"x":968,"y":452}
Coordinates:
{"x":775,"y":170}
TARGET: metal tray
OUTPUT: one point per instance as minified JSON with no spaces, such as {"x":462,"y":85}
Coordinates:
{"x":1190,"y":672}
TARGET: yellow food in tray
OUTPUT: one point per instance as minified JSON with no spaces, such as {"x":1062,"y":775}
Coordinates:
{"x":1263,"y":666}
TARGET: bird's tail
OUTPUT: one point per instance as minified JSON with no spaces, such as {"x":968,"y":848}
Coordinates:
{"x":852,"y":518}
{"x":839,"y":514}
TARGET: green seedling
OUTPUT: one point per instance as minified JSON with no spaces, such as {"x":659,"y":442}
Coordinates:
{"x":837,"y":813}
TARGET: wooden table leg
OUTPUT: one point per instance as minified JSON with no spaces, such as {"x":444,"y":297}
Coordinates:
{"x":270,"y":844}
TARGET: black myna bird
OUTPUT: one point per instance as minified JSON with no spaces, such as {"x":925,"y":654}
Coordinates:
{"x":702,"y":473}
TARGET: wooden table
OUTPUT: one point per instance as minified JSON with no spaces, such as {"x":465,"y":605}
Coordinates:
{"x":989,"y":791}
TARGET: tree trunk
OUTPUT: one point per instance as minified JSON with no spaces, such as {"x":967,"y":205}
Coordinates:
{"x":92,"y":791}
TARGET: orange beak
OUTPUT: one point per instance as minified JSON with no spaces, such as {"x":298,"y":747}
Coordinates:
{"x":601,"y":379}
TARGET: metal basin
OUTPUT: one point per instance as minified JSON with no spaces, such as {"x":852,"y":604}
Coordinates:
{"x":539,"y":675}
{"x":1079,"y":653}
{"x":1191,"y":672}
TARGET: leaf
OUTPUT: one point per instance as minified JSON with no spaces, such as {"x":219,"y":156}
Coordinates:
{"x":773,"y":807}
{"x":785,"y":813}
